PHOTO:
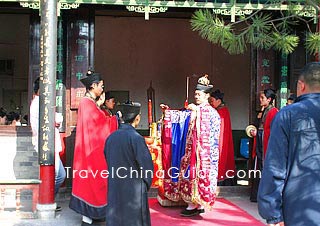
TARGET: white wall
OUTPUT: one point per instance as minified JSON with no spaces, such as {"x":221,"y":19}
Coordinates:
{"x":130,"y":52}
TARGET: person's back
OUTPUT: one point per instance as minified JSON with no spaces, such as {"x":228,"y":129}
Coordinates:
{"x":289,"y":192}
{"x":124,"y":153}
{"x":302,"y":187}
{"x":130,"y":169}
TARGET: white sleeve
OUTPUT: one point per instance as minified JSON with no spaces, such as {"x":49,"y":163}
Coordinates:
{"x":34,"y":120}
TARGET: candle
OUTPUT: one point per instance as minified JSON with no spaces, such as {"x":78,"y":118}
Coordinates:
{"x":187,"y":94}
{"x":149,"y":111}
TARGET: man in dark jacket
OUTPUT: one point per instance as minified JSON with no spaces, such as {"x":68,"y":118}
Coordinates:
{"x":289,"y":191}
{"x":130,"y":172}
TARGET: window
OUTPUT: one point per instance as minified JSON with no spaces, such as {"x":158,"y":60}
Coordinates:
{"x":6,"y":66}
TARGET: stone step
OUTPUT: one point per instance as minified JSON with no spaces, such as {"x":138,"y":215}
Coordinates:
{"x":222,"y":191}
{"x":233,"y":191}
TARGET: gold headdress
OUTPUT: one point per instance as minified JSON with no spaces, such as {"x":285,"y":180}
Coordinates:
{"x":204,"y":84}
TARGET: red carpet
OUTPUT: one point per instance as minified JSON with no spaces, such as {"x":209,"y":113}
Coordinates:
{"x":223,"y":213}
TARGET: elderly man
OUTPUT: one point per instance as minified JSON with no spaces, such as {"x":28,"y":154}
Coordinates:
{"x":289,"y":191}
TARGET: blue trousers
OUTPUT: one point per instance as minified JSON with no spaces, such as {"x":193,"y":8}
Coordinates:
{"x":59,"y":177}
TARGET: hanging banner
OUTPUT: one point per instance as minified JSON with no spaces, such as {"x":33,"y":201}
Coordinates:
{"x":265,"y":72}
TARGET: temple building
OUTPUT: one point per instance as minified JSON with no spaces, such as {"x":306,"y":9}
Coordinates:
{"x":135,"y":45}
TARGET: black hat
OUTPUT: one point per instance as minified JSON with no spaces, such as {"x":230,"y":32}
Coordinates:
{"x":292,"y":97}
{"x":217,"y":94}
{"x":3,"y":112}
{"x":109,"y":96}
{"x":129,"y":110}
{"x":36,"y":85}
{"x":204,"y":84}
{"x":13,"y":116}
{"x":90,"y":78}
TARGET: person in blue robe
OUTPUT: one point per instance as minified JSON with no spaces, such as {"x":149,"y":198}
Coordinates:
{"x":289,"y":190}
{"x":130,"y":169}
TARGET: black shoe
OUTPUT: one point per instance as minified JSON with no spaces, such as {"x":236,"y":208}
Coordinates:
{"x":201,"y":210}
{"x":58,"y":208}
{"x":94,"y":223}
{"x":99,"y":220}
{"x":190,"y":213}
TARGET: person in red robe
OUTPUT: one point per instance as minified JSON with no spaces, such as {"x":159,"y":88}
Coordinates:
{"x":89,"y":185}
{"x":261,"y":136}
{"x":226,"y":170}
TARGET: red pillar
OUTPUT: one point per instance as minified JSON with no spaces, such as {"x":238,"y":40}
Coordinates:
{"x":46,"y":192}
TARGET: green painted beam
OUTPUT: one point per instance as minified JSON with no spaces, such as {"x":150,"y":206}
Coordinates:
{"x":229,"y":4}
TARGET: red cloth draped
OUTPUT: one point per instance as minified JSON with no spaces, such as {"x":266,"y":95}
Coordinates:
{"x":93,"y":128}
{"x":201,"y":157}
{"x":168,"y":189}
{"x":110,"y":118}
{"x":267,"y":128}
{"x":166,"y":144}
{"x":226,"y":158}
{"x":266,"y":132}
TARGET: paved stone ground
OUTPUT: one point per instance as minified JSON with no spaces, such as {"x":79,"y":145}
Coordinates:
{"x":239,"y":195}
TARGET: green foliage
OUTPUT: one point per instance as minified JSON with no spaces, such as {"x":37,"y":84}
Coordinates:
{"x":313,"y":43}
{"x":285,"y":43}
{"x":210,"y":28}
{"x":235,"y":44}
{"x":261,"y":30}
{"x":263,"y":41}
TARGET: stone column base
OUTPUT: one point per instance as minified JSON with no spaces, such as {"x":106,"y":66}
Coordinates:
{"x":46,"y":211}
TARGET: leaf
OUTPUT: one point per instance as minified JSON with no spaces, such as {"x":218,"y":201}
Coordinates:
{"x":263,"y":41}
{"x":262,"y":30}
{"x":257,"y":33}
{"x":235,"y":45}
{"x":212,"y":29}
{"x":313,"y":43}
{"x":285,"y":43}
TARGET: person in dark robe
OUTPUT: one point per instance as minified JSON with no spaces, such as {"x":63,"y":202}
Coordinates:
{"x":261,"y":136}
{"x":227,"y":169}
{"x":291,"y":99}
{"x":89,"y":185}
{"x":130,"y":170}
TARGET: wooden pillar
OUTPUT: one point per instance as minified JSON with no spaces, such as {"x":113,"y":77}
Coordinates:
{"x":283,"y":80}
{"x":262,"y":77}
{"x":265,"y":74}
{"x":80,"y":53}
{"x":48,"y":61}
{"x":61,"y":81}
{"x":61,"y":71}
{"x":34,"y":53}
